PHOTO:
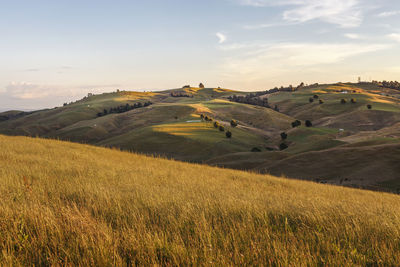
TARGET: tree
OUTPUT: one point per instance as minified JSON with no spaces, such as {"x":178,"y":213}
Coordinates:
{"x":202,"y":116}
{"x":284,"y":136}
{"x":216,"y":124}
{"x":311,"y":99}
{"x":234,"y":123}
{"x":308,"y":123}
{"x":201,"y":86}
{"x":221,"y":128}
{"x":316,"y":96}
{"x":228,"y":134}
{"x":343,"y":101}
{"x":255,"y":149}
{"x":276,"y":108}
{"x":321,"y":101}
{"x":353,"y":101}
{"x":283,"y":146}
{"x":296,"y":123}
{"x":369,"y":106}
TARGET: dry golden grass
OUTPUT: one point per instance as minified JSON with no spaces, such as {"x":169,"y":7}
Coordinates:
{"x":70,"y":204}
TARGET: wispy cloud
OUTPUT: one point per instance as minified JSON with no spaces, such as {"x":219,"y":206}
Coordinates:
{"x":221,"y":37}
{"x":353,"y":36}
{"x":255,"y":63}
{"x":27,"y":90}
{"x":388,"y":14}
{"x":345,"y":13}
{"x":394,"y":36}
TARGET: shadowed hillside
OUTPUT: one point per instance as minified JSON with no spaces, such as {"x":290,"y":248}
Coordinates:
{"x":172,"y":123}
{"x":72,"y":204}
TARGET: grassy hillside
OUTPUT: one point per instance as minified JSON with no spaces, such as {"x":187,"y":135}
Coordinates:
{"x":71,"y":204}
{"x":171,"y":127}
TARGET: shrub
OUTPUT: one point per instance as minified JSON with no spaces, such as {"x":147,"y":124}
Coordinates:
{"x":216,"y":124}
{"x":353,"y":101}
{"x":321,"y":101}
{"x":343,"y":101}
{"x":296,"y":123}
{"x":284,"y":136}
{"x":221,"y":128}
{"x":228,"y":134}
{"x":202,"y":116}
{"x":308,"y":123}
{"x":255,"y":149}
{"x":311,"y":99}
{"x":316,"y":97}
{"x":283,"y":146}
{"x":234,"y":123}
{"x":276,"y":108}
{"x":369,"y":106}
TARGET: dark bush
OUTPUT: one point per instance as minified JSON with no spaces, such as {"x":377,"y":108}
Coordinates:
{"x":369,"y":106}
{"x":296,"y":123}
{"x":353,"y":101}
{"x":284,"y":136}
{"x":221,"y":128}
{"x":316,"y":97}
{"x":311,"y":99}
{"x":202,"y":116}
{"x":276,"y":108}
{"x":283,"y":146}
{"x":255,"y":149}
{"x":234,"y":123}
{"x":308,"y":123}
{"x":321,"y":101}
{"x":343,"y":101}
{"x":228,"y":134}
{"x":216,"y":124}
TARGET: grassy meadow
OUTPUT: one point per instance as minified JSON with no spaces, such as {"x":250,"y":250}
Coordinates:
{"x":71,"y":204}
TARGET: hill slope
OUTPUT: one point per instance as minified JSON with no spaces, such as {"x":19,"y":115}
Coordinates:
{"x":71,"y":204}
{"x":172,"y":127}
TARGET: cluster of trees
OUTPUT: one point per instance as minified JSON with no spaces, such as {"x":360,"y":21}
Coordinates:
{"x":388,"y":84}
{"x":218,"y":126}
{"x":344,"y":101}
{"x":251,"y":99}
{"x":290,"y":88}
{"x":123,"y":108}
{"x":181,"y":94}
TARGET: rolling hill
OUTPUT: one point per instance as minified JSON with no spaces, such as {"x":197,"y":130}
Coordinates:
{"x":73,"y":204}
{"x":342,"y":136}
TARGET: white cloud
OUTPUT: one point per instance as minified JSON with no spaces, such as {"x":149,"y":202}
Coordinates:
{"x":221,"y":37}
{"x":353,"y":36}
{"x":255,"y":63}
{"x":394,"y":36}
{"x":345,"y":13}
{"x":388,"y":14}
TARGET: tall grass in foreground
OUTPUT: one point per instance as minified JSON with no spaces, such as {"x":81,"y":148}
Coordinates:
{"x":69,"y":204}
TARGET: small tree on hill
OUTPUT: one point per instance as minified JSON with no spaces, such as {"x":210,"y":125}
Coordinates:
{"x":202,"y":116}
{"x":321,"y":101}
{"x":255,"y":149}
{"x":221,"y":128}
{"x":311,"y":99}
{"x":201,"y":86}
{"x":284,"y":136}
{"x":276,"y":108}
{"x":343,"y":101}
{"x":308,"y":123}
{"x":216,"y":124}
{"x":296,"y":123}
{"x":234,"y":123}
{"x":353,"y":101}
{"x":283,"y":146}
{"x":369,"y":106}
{"x":316,"y":96}
{"x":228,"y":134}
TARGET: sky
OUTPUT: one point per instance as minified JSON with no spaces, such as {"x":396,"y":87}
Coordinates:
{"x":53,"y":52}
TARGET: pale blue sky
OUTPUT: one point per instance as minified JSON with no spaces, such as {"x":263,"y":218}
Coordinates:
{"x":57,"y":51}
